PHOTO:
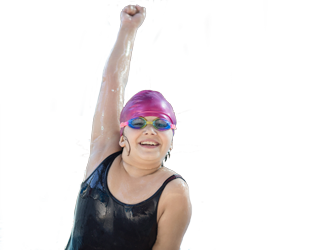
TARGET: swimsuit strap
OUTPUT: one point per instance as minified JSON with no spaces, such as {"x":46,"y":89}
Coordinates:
{"x":172,"y":178}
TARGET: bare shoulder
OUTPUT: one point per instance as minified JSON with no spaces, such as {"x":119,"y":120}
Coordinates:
{"x":176,"y":188}
{"x":176,"y":185}
{"x":175,"y":217}
{"x":176,"y":193}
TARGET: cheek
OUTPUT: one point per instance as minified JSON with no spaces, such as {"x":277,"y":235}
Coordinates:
{"x":131,"y":134}
{"x":129,"y":131}
{"x":171,"y":134}
{"x":168,"y":137}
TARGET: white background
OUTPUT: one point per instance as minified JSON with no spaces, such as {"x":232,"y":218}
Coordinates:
{"x":275,"y":174}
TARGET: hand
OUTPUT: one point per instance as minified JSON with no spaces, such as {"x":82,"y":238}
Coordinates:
{"x":132,"y":16}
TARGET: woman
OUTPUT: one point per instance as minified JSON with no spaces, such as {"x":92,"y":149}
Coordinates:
{"x":128,"y":199}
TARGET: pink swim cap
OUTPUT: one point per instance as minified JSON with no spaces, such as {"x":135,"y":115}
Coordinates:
{"x":147,"y":103}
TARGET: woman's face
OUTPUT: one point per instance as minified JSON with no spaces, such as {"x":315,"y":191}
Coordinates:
{"x":140,"y":151}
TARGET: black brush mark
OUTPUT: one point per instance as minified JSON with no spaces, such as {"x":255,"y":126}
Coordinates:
{"x":20,"y":23}
{"x":69,"y":214}
{"x":63,"y":172}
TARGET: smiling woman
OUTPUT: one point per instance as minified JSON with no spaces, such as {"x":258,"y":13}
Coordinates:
{"x":128,"y":200}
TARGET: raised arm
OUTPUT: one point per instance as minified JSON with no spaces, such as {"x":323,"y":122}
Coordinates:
{"x":105,"y":128}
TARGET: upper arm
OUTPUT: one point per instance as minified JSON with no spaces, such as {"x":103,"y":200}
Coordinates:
{"x":106,"y":124}
{"x":175,"y":219}
{"x":105,"y":133}
{"x":105,"y":130}
{"x":106,"y":120}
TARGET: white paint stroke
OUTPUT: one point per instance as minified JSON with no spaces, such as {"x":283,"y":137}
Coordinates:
{"x":49,"y":74}
{"x":278,"y":196}
{"x":276,"y":185}
{"x":193,"y":121}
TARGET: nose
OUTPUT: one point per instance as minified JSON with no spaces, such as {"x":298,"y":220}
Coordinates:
{"x":149,"y":129}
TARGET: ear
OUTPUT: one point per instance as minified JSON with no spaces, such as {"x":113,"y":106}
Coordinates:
{"x":122,"y":141}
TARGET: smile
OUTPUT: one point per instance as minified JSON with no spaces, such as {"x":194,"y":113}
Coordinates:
{"x":149,"y":143}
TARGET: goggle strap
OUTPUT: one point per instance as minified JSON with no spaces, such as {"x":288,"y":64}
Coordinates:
{"x":123,"y":124}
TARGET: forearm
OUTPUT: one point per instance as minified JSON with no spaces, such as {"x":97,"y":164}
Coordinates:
{"x":116,"y":71}
{"x":106,"y":121}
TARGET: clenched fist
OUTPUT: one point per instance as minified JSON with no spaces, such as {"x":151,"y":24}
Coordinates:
{"x":132,"y":16}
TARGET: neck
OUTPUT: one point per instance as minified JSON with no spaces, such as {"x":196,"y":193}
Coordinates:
{"x":135,"y":169}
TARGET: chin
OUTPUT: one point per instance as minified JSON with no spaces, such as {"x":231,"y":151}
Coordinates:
{"x":150,"y":156}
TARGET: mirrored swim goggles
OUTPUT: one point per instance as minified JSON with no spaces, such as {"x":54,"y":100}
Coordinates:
{"x":141,"y":122}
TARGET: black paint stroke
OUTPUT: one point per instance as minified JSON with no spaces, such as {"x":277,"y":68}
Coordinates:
{"x":69,"y":214}
{"x":63,"y":172}
{"x":157,"y":36}
{"x":20,"y":23}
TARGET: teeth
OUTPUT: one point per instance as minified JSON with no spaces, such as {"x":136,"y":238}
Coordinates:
{"x":148,"y":143}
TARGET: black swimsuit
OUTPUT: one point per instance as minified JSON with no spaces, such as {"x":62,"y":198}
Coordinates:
{"x":101,"y":222}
